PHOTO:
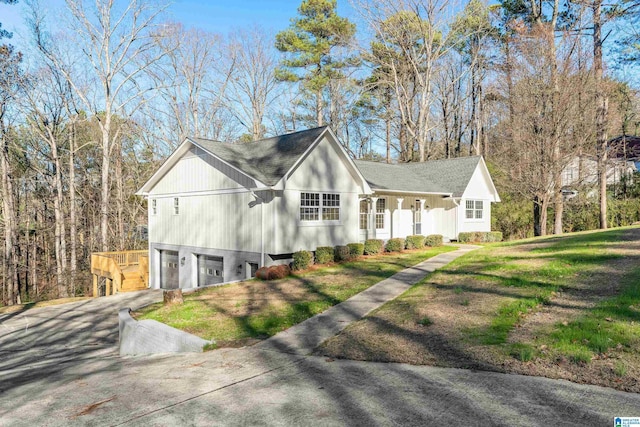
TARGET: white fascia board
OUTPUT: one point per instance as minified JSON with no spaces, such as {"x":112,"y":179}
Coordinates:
{"x":164,"y":168}
{"x":260,"y":184}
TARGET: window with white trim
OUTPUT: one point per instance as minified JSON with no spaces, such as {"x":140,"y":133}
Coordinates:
{"x":474,"y":209}
{"x":330,"y":207}
{"x":364,"y":214}
{"x":381,"y":206}
{"x":176,"y":206}
{"x":154,"y":206}
{"x":319,"y":207}
{"x":309,"y":206}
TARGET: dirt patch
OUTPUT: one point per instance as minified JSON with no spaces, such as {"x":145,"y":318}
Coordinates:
{"x":437,"y":323}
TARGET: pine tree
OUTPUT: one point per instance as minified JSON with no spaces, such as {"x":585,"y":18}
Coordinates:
{"x":311,"y":42}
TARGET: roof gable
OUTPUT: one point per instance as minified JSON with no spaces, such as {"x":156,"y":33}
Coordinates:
{"x":266,"y":160}
{"x":264,"y":163}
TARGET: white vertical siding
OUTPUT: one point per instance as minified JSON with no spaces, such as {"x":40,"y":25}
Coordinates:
{"x":198,"y":171}
{"x":323,"y":171}
{"x":224,"y":221}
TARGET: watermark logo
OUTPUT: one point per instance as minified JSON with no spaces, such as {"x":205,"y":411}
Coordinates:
{"x":626,"y":422}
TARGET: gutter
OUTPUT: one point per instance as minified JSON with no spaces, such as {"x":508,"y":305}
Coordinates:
{"x":382,"y":191}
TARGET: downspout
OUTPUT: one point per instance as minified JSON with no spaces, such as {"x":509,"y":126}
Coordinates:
{"x":457,"y":216}
{"x":261,"y":226}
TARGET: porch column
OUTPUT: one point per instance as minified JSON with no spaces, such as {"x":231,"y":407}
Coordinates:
{"x":95,"y":285}
{"x":396,"y":218}
{"x":421,"y":207}
{"x":372,"y":216}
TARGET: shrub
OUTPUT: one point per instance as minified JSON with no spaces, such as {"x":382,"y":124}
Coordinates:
{"x":480,"y":237}
{"x":342,"y":253}
{"x":302,"y":260}
{"x":356,"y":249}
{"x":274,"y":272}
{"x":394,"y":245}
{"x":373,"y":246}
{"x":414,"y":242}
{"x":324,"y":254}
{"x":433,"y":240}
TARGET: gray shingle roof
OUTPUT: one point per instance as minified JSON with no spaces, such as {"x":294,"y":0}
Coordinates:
{"x":435,"y":176}
{"x":266,"y":160}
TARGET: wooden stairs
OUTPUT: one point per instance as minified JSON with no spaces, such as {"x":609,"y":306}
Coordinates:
{"x":133,"y":279}
{"x":125,"y":271}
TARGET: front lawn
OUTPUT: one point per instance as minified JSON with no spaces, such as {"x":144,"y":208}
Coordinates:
{"x":562,"y":307}
{"x":241,"y":313}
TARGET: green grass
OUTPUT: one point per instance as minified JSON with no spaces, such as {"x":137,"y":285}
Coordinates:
{"x":560,"y":262}
{"x":425,"y":321}
{"x":613,"y":323}
{"x":522,"y":352}
{"x":209,"y":316}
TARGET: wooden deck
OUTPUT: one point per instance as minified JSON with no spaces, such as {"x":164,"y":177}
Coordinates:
{"x":123,"y":271}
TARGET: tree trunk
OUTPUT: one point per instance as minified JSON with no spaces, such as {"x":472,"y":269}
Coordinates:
{"x":104,"y":183}
{"x":319,"y":108}
{"x":388,"y":138}
{"x":60,"y":229}
{"x":601,"y":111}
{"x":10,"y":259}
{"x":73,"y":227}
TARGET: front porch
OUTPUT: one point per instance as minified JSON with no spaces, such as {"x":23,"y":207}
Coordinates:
{"x":387,"y":215}
{"x":123,"y":271}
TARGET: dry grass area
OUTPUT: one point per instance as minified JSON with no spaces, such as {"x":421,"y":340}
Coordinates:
{"x":565,"y":307}
{"x":242,"y":313}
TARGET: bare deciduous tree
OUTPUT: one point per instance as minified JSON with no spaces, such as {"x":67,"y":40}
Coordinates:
{"x":115,"y":45}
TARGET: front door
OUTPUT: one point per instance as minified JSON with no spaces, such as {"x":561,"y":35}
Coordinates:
{"x":169,"y":270}
{"x":417,"y":218}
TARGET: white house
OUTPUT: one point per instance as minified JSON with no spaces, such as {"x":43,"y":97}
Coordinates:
{"x":217,"y":211}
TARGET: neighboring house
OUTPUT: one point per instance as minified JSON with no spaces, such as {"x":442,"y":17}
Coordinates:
{"x":623,"y":160}
{"x":583,"y":170}
{"x":217,"y":211}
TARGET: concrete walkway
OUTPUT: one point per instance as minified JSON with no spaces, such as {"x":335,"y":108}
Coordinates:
{"x":304,"y":337}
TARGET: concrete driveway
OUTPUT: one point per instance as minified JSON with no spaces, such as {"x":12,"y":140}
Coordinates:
{"x":39,"y":340}
{"x":59,"y":367}
{"x":261,"y":387}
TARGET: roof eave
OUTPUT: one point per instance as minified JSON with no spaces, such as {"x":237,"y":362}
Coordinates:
{"x":426,"y":193}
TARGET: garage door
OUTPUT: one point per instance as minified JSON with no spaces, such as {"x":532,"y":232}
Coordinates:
{"x":210,"y":270}
{"x":169,"y":270}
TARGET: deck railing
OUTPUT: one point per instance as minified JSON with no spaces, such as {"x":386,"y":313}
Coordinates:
{"x":124,"y":258}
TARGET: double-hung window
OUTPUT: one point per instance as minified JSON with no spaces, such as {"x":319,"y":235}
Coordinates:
{"x":319,"y":207}
{"x":364,"y":214}
{"x":176,"y":206}
{"x":474,"y":209}
{"x":154,"y":206}
{"x":309,"y":206}
{"x":381,"y":205}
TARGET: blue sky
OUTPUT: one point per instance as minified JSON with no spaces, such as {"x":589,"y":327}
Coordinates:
{"x":220,"y":16}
